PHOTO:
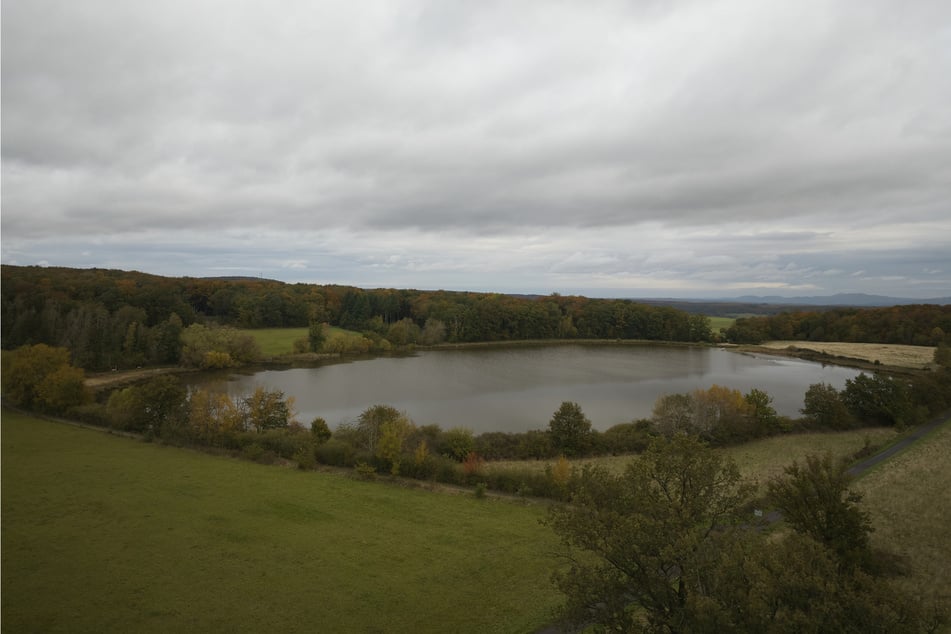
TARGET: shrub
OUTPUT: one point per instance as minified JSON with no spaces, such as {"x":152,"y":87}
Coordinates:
{"x":456,"y":443}
{"x":560,"y":473}
{"x":320,"y":431}
{"x":624,"y":438}
{"x":497,"y":445}
{"x":304,"y":457}
{"x":335,"y":453}
{"x":448,"y":471}
{"x":365,"y":471}
{"x":90,"y":413}
{"x":259,"y":454}
{"x":216,"y":359}
{"x":535,"y":444}
{"x":518,"y":481}
{"x":281,"y":443}
{"x":473,"y":464}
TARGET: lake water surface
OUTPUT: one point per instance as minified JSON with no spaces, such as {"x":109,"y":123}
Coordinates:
{"x":517,"y":389}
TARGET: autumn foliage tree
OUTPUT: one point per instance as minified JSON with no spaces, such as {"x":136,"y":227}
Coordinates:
{"x":41,"y":377}
{"x":370,"y":423}
{"x":717,"y":414}
{"x":393,"y":435}
{"x":212,"y":415}
{"x":268,"y":409}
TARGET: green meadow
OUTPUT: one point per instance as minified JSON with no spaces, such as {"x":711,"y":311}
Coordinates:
{"x":274,"y":342}
{"x":721,"y":323}
{"x":108,"y":534}
{"x":102,"y":533}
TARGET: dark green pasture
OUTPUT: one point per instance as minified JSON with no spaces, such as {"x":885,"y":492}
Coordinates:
{"x":108,"y":534}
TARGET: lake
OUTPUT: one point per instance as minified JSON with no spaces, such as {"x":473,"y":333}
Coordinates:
{"x":517,"y":389}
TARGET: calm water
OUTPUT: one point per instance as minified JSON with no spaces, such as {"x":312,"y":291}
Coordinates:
{"x":520,"y":388}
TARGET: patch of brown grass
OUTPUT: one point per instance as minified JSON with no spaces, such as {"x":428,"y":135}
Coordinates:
{"x":896,"y":355}
{"x":909,"y":499}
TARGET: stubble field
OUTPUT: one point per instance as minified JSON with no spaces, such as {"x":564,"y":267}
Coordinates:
{"x":887,"y":354}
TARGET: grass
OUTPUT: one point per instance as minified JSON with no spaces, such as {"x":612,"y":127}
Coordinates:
{"x":910,"y":505}
{"x":102,"y":533}
{"x":886,"y":353}
{"x":277,"y":341}
{"x":757,"y":460}
{"x":721,"y":323}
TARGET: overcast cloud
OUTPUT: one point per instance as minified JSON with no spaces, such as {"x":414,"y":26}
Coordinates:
{"x":639,"y":148}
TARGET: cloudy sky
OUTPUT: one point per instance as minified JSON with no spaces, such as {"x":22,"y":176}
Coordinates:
{"x":639,"y":149}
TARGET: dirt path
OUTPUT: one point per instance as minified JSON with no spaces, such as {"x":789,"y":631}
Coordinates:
{"x":861,"y":467}
{"x":107,"y":380}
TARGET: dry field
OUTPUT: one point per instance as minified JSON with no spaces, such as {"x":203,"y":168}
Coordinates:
{"x":887,"y":354}
{"x":909,"y":499}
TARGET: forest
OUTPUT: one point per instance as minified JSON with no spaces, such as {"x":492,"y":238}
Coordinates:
{"x":916,"y":325}
{"x":112,"y":319}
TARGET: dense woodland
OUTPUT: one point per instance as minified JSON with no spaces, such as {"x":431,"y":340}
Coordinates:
{"x":917,"y":325}
{"x":115,"y":319}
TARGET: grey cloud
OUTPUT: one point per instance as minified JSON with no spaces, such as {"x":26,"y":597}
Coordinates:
{"x":486,"y":119}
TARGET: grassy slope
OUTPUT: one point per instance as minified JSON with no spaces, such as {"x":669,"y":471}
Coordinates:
{"x":721,"y":323}
{"x":909,"y":498}
{"x":759,"y":459}
{"x":277,"y":341}
{"x":102,"y":533}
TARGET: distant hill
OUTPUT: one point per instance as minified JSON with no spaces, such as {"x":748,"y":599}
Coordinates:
{"x":771,"y":305}
{"x":840,"y":299}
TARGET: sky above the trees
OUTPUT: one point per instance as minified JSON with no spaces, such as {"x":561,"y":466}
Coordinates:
{"x":705,"y":148}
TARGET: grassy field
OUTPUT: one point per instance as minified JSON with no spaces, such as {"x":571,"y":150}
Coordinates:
{"x":909,"y":500}
{"x":758,"y":460}
{"x":107,"y":534}
{"x":887,"y":354}
{"x":277,"y":341}
{"x":721,"y":323}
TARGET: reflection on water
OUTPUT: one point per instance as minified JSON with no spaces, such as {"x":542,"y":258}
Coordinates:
{"x":517,"y":389}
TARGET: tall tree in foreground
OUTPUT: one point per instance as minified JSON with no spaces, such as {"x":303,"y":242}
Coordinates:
{"x":815,"y":500}
{"x":664,"y":547}
{"x":634,"y":542}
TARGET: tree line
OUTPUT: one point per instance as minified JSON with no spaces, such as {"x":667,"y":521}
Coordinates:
{"x":919,"y":325}
{"x":117,"y":319}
